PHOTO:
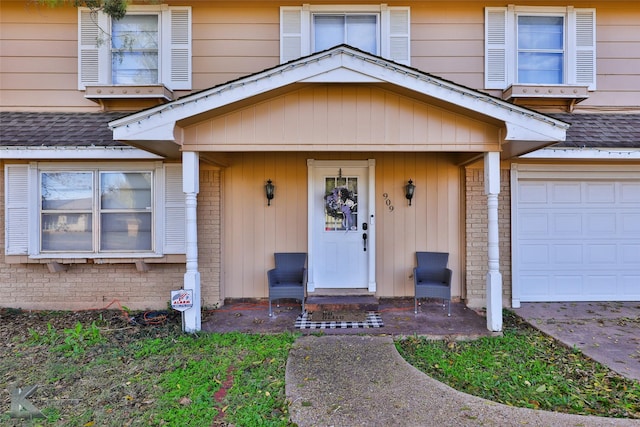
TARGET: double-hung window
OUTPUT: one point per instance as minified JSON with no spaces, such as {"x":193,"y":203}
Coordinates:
{"x":94,"y":211}
{"x":379,"y":30}
{"x":539,"y":46}
{"x":134,"y":49}
{"x":150,"y":45}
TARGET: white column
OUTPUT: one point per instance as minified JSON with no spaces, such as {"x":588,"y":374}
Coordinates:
{"x":494,"y":278}
{"x":191,"y":318}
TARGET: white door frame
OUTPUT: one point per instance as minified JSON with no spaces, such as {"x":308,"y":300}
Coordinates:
{"x":370,"y":215}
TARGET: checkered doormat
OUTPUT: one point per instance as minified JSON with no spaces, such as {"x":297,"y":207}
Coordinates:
{"x":373,"y":320}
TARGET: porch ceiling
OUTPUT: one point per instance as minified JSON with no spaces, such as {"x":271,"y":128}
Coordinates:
{"x":162,"y":127}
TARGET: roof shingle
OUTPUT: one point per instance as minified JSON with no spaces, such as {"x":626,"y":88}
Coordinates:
{"x":34,"y":129}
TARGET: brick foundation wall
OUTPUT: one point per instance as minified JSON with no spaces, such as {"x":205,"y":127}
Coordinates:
{"x":476,"y":236}
{"x":91,"y":286}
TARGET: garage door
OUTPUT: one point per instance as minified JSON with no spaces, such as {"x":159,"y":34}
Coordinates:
{"x":576,"y":234}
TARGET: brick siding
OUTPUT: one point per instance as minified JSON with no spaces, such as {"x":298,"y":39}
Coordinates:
{"x":94,"y":285}
{"x":476,"y":237}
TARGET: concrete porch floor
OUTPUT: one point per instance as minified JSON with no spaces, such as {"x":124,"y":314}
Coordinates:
{"x":397,"y":315}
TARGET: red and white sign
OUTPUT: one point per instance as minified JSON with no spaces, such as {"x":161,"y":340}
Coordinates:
{"x":182,"y":299}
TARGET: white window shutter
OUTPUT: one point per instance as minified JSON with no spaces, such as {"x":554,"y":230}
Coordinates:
{"x":176,"y":51}
{"x":583,"y":22}
{"x":16,"y":209}
{"x":395,"y":34}
{"x":495,"y":54}
{"x":291,"y":36}
{"x":174,"y":211}
{"x":93,"y":48}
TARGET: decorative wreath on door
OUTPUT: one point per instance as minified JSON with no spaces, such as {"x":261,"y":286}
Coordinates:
{"x":341,"y":203}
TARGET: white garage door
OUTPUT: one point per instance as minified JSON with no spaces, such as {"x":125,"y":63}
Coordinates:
{"x":576,"y":234}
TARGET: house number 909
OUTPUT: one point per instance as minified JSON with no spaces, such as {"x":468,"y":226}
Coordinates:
{"x":387,"y":202}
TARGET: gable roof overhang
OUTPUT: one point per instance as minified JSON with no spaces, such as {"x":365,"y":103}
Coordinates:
{"x":159,"y":129}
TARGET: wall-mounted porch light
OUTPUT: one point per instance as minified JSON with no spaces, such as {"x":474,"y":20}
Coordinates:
{"x":269,"y":189}
{"x":408,"y":190}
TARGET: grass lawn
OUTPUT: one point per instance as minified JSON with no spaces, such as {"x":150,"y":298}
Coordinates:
{"x":526,"y":368}
{"x":97,"y":369}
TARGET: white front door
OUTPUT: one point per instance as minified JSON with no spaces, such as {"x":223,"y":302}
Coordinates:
{"x":340,"y":225}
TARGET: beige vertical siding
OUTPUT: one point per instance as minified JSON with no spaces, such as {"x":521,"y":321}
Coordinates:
{"x":341,"y":118}
{"x":38,"y":47}
{"x":253,"y":231}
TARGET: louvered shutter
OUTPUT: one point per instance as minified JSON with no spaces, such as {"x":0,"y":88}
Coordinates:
{"x":174,"y":211}
{"x":396,"y":34}
{"x":16,"y":209}
{"x":176,"y":69}
{"x":93,"y":48}
{"x":584,"y":22}
{"x":495,"y":54}
{"x":290,"y":33}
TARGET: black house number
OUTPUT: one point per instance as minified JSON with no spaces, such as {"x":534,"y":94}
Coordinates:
{"x":387,"y":202}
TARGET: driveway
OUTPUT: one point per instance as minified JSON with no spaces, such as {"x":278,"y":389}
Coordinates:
{"x":608,"y":332}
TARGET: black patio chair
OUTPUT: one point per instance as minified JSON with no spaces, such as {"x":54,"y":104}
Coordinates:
{"x":432,"y":278}
{"x":288,"y":279}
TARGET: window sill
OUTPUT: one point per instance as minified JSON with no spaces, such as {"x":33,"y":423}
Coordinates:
{"x":117,"y":96}
{"x":537,"y":96}
{"x":67,"y":260}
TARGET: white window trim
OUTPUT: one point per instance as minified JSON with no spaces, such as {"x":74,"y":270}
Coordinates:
{"x":296,"y":29}
{"x":378,"y":16}
{"x":501,"y":50}
{"x":168,"y":209}
{"x":174,"y":52}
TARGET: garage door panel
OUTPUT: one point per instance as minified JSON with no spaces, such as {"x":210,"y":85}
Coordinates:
{"x":598,"y":193}
{"x":566,"y":192}
{"x":630,"y":192}
{"x":533,"y":192}
{"x":538,"y":286}
{"x":630,"y":285}
{"x":534,"y":255}
{"x":577,"y":239}
{"x":568,"y":254}
{"x":535,"y":224}
{"x":602,"y":254}
{"x":567,"y":287}
{"x":630,"y":256}
{"x":630,"y":224}
{"x":567,"y":224}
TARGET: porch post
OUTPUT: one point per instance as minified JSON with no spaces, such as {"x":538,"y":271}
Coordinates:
{"x":191,"y":318}
{"x":494,"y":278}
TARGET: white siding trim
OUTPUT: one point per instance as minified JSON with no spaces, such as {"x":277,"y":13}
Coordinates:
{"x":76,"y":153}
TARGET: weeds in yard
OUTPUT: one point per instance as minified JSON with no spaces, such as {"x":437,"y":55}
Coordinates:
{"x":71,"y":342}
{"x":526,"y":368}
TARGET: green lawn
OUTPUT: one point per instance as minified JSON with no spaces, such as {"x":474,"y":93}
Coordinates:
{"x":96,"y":369}
{"x":526,"y":368}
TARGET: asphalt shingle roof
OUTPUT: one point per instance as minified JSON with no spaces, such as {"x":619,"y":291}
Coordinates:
{"x":34,"y":129}
{"x":601,"y":130}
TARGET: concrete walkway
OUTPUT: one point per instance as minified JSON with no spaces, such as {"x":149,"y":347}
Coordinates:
{"x":340,"y":380}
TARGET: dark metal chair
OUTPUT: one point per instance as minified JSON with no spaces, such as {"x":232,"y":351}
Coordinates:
{"x":289,"y":278}
{"x":432,"y":278}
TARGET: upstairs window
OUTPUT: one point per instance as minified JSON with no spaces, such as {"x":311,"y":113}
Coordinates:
{"x":539,"y":46}
{"x":134,"y":50}
{"x":151,"y":45}
{"x":379,"y":30}
{"x":358,"y":30}
{"x":541,"y":49}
